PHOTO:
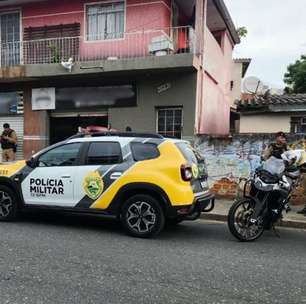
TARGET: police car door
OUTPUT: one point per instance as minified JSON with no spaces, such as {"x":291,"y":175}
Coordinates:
{"x":103,"y":165}
{"x":51,"y":183}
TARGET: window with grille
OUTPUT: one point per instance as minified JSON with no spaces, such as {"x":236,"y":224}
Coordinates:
{"x":298,"y":124}
{"x":10,"y":39}
{"x":170,"y":122}
{"x":105,"y":21}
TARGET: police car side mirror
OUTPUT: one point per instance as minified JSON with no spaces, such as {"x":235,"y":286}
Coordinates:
{"x":31,"y":162}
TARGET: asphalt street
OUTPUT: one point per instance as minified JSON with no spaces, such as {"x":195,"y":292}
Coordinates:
{"x":73,"y":259}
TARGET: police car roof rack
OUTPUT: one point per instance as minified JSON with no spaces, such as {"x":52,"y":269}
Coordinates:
{"x":119,"y":134}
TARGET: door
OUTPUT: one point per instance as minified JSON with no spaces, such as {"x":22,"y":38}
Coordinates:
{"x":102,"y":167}
{"x":62,"y":127}
{"x":10,"y":39}
{"x":51,"y":183}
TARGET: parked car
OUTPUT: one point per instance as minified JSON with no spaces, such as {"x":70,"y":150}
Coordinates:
{"x":144,"y":180}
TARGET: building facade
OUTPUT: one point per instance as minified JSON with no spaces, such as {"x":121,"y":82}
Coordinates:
{"x":240,"y":68}
{"x":273,"y":113}
{"x":154,"y":66}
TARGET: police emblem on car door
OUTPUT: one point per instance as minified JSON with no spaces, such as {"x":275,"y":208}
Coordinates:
{"x":93,"y":185}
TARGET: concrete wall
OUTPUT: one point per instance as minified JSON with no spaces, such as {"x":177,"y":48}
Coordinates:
{"x":230,"y":159}
{"x":143,"y":117}
{"x":213,"y":112}
{"x":265,"y":123}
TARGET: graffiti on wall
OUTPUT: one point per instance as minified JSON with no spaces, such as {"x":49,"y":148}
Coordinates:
{"x":229,"y":160}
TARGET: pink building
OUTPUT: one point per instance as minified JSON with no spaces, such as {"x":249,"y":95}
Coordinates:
{"x":155,"y":66}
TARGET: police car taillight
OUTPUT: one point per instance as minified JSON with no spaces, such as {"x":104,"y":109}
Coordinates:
{"x":186,"y":173}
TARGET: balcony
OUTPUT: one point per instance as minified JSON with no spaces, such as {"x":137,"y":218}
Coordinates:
{"x":156,"y":43}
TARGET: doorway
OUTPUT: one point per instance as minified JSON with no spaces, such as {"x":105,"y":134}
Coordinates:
{"x":62,"y":127}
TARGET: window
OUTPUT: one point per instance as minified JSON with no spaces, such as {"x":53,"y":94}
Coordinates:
{"x":145,"y":151}
{"x":10,"y":39}
{"x":219,"y":37}
{"x":170,"y":122}
{"x":61,"y":156}
{"x":104,"y":153}
{"x":193,"y":156}
{"x":298,"y":124}
{"x":11,"y":103}
{"x":105,"y":21}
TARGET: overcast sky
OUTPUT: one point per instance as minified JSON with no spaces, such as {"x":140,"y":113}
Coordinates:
{"x":277,"y":35}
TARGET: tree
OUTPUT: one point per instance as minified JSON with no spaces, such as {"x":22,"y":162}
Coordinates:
{"x":295,"y":76}
{"x":242,"y":31}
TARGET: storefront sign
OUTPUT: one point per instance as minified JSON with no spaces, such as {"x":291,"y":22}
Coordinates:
{"x":92,"y":98}
{"x":43,"y":99}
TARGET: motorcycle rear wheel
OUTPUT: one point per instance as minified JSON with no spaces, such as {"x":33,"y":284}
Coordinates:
{"x":239,"y":221}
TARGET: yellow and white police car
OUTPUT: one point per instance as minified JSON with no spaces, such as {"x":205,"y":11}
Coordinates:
{"x":144,"y":180}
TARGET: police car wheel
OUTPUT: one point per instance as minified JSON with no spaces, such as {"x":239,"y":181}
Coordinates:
{"x":142,"y":216}
{"x":8,"y":204}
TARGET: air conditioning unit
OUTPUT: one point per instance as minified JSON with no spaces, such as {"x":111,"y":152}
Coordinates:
{"x":161,"y":45}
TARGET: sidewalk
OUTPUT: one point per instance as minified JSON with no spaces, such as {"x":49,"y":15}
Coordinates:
{"x":291,"y":219}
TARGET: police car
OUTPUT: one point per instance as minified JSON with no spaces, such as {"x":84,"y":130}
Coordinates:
{"x":144,"y":180}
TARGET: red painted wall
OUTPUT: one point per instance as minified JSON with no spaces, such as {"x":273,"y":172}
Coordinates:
{"x":141,"y":15}
{"x":214,"y":111}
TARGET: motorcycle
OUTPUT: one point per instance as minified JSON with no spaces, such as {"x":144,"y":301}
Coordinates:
{"x":266,"y":196}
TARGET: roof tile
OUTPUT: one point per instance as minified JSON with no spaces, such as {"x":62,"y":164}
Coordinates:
{"x":259,"y":102}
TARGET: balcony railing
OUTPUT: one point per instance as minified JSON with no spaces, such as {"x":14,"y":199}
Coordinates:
{"x":136,"y":44}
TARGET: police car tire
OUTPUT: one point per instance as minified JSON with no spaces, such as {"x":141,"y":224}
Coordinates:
{"x":155,"y":208}
{"x":13,"y":209}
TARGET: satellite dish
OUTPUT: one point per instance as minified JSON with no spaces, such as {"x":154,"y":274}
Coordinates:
{"x":253,"y":85}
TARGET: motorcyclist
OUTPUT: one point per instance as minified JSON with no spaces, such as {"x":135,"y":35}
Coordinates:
{"x":276,"y":149}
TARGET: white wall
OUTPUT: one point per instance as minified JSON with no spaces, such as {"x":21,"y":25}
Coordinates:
{"x":265,"y":123}
{"x":237,"y":78}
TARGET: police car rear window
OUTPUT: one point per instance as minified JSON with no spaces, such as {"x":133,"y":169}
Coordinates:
{"x":188,"y":152}
{"x":144,"y":151}
{"x":104,"y":153}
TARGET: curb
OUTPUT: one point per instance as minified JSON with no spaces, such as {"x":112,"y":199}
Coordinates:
{"x":284,"y":223}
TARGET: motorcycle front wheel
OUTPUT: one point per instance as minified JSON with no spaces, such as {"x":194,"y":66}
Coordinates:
{"x":239,"y":223}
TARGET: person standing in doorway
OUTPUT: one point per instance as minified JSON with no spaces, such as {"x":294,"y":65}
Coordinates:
{"x":8,"y":143}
